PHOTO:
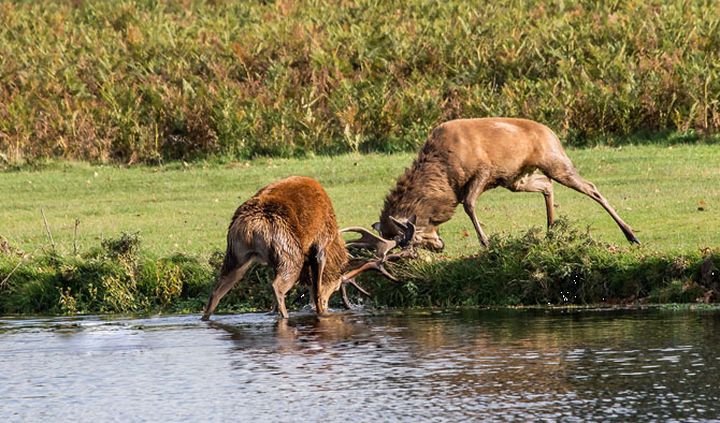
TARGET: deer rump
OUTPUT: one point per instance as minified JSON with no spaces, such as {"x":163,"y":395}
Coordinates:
{"x":463,"y":158}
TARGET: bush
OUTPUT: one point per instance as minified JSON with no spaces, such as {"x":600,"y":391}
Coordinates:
{"x":148,"y":81}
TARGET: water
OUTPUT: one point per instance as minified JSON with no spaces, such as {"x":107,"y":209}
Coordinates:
{"x":351,"y":366}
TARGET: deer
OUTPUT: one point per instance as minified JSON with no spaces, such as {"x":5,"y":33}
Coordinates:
{"x":463,"y":158}
{"x":291,"y":226}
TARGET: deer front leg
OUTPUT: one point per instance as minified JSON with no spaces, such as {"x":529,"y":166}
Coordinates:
{"x":322,"y":293}
{"x":472,"y":191}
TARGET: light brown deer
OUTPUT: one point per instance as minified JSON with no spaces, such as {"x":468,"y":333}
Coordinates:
{"x":291,"y":226}
{"x":466,"y":157}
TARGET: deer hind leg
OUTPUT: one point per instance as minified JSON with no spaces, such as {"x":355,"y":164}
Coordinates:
{"x":537,"y":183}
{"x":569,"y":177}
{"x":231,"y":273}
{"x":286,"y":276}
{"x":472,"y":191}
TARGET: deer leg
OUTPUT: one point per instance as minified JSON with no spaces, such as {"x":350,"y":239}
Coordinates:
{"x":570,"y":178}
{"x":538,"y":183}
{"x":472,"y":191}
{"x":308,"y":271}
{"x":320,"y":296}
{"x":229,"y":276}
{"x":286,"y":276}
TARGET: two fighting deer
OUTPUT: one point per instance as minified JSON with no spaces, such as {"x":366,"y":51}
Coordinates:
{"x":291,"y":224}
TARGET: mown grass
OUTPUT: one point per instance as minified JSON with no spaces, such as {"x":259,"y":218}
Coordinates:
{"x":186,"y":209}
{"x":668,"y":194}
{"x":148,"y":81}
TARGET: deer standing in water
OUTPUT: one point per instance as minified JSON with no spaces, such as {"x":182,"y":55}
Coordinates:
{"x":466,"y":157}
{"x":291,"y":226}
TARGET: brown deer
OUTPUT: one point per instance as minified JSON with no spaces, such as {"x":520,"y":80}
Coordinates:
{"x":466,"y":157}
{"x":291,"y":226}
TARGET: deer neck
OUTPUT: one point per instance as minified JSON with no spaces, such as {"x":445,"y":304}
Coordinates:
{"x":424,"y":191}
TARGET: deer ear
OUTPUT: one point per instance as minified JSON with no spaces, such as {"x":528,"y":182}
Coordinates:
{"x":376,"y":226}
{"x":408,"y":235}
{"x":401,"y":225}
{"x":408,"y":230}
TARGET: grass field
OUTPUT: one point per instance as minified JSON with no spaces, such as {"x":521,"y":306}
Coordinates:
{"x":659,"y":191}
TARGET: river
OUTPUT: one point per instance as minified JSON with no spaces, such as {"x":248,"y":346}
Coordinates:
{"x":528,"y":364}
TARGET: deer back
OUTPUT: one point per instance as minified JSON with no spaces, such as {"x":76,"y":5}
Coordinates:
{"x":502,"y":147}
{"x":286,"y":220}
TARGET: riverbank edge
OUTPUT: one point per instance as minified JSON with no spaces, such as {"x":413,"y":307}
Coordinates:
{"x":563,"y":267}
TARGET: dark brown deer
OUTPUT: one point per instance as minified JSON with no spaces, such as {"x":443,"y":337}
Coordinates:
{"x":466,"y":157}
{"x":291,"y":226}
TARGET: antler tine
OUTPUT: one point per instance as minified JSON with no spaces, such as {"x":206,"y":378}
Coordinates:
{"x":345,"y":299}
{"x":371,"y":265}
{"x":357,"y":286}
{"x":407,"y":253}
{"x":370,"y":240}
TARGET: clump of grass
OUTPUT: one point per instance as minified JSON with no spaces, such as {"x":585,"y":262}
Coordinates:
{"x":116,"y":278}
{"x":146,"y":81}
{"x":126,"y":246}
{"x":566,"y":266}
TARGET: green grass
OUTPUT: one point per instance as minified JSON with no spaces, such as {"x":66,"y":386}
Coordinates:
{"x":181,"y":212}
{"x":147,"y":81}
{"x":178,"y":208}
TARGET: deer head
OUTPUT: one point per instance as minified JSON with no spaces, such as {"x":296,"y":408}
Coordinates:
{"x":411,"y":232}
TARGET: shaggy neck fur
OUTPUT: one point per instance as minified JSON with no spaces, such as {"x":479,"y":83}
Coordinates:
{"x":424,"y":191}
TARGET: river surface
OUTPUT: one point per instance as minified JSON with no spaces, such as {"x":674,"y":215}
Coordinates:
{"x":358,"y":366}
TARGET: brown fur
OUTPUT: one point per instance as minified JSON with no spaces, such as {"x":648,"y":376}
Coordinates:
{"x":291,"y":226}
{"x":463,"y":158}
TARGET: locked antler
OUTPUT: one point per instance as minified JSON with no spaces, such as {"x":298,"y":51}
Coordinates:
{"x":369,"y":240}
{"x":381,"y":247}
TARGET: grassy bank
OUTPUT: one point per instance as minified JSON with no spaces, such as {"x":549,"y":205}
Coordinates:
{"x":564,"y":267}
{"x":148,"y":81}
{"x":182,"y":213}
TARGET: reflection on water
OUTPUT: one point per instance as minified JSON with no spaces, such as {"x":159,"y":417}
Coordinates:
{"x":579,"y":365}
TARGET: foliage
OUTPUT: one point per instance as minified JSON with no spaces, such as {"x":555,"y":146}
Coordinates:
{"x":148,"y":81}
{"x":565,"y":267}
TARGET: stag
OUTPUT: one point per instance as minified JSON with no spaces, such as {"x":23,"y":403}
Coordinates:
{"x":291,"y":226}
{"x":466,"y":157}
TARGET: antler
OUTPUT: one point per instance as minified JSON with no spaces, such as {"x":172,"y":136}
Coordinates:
{"x":370,"y":265}
{"x":349,"y":278}
{"x":343,"y":289}
{"x":370,"y":240}
{"x":381,"y":246}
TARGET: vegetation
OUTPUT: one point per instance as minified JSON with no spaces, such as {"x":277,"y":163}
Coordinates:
{"x":182,"y":213}
{"x":148,"y":81}
{"x":565,"y":267}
